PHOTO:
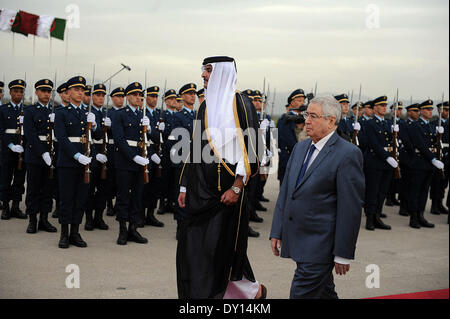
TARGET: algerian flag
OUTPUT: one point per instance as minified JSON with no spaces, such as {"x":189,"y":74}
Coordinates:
{"x":57,"y":28}
{"x":44,"y":24}
{"x":7,"y":18}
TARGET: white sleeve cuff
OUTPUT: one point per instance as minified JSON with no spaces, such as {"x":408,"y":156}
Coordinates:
{"x":240,"y":170}
{"x":182,"y":189}
{"x":342,"y":261}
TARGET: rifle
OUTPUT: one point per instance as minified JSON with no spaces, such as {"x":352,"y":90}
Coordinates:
{"x":161,"y":140}
{"x":273,"y":102}
{"x":144,"y":132}
{"x":358,"y":106}
{"x":51,"y":172}
{"x":87,"y":137}
{"x":20,"y":128}
{"x":439,"y":139}
{"x":395,"y":140}
{"x":105,"y":136}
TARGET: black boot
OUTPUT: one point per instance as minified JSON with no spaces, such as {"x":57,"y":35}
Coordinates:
{"x":435,"y":208}
{"x":423,"y":222}
{"x":6,"y":213}
{"x":260,"y":207}
{"x":141,"y":222}
{"x":379,"y":224}
{"x":255,"y":218}
{"x":32,"y":224}
{"x":110,"y":208}
{"x":56,"y":211}
{"x":442,"y":209}
{"x":133,"y":235}
{"x":64,"y":239}
{"x":403,"y":210}
{"x":383,"y":215}
{"x":263,"y":199}
{"x":370,"y":224}
{"x":16,"y":212}
{"x":98,"y":221}
{"x":414,"y":220}
{"x":151,"y":219}
{"x":123,"y":233}
{"x":252,"y":233}
{"x":75,"y":237}
{"x":45,"y":225}
{"x":89,"y":224}
{"x":162,"y":206}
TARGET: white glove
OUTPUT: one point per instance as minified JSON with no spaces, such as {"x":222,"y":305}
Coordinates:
{"x":161,"y":126}
{"x":107,"y":121}
{"x":391,"y":161}
{"x":145,"y":121}
{"x":101,"y":158}
{"x":47,"y":159}
{"x":264,"y":124}
{"x":21,"y":119}
{"x":356,"y":126}
{"x":269,"y":154}
{"x":272,"y":124}
{"x":17,"y":148}
{"x":155,"y":158}
{"x":437,"y":163}
{"x":140,"y":160}
{"x":395,"y":128}
{"x":84,"y":160}
{"x":264,"y":161}
{"x":440,"y":129}
{"x":52,"y":117}
{"x":91,"y":118}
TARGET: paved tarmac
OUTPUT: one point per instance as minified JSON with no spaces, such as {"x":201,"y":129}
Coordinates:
{"x":32,"y":265}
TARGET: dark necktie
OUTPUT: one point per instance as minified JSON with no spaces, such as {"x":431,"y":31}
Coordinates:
{"x":305,"y":164}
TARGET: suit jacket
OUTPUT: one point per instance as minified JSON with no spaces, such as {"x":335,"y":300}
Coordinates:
{"x":320,"y":218}
{"x":36,"y":124}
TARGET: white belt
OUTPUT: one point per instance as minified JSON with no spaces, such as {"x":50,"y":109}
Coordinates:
{"x":150,"y":143}
{"x":74,"y":139}
{"x":132,"y":143}
{"x":110,"y":141}
{"x":418,"y":152}
{"x":388,"y":149}
{"x":444,"y":145}
{"x":43,"y":138}
{"x":97,"y":141}
{"x":12,"y":131}
{"x":171,"y":138}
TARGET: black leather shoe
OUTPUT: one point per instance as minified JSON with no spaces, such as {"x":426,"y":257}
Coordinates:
{"x":442,"y":209}
{"x":151,"y":219}
{"x":263,"y":199}
{"x":110,"y":208}
{"x":379,"y":224}
{"x":64,"y":239}
{"x":435,"y":208}
{"x":123,"y":234}
{"x":6,"y":213}
{"x":413,"y":220}
{"x":423,"y":222}
{"x":76,"y":240}
{"x":32,"y":224}
{"x":260,"y":207}
{"x":89,"y":224}
{"x":55,"y":213}
{"x":16,"y":212}
{"x":370,"y":222}
{"x":133,"y":235}
{"x":383,"y":215}
{"x":45,"y":225}
{"x":389,"y":202}
{"x":252,"y":233}
{"x":255,"y":218}
{"x":403,"y":211}
{"x":163,"y":207}
{"x":99,"y":222}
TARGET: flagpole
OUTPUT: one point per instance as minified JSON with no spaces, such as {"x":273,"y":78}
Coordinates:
{"x":66,"y":37}
{"x":50,"y":54}
{"x":32,"y":68}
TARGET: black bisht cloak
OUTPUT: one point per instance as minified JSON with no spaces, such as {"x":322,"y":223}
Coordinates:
{"x":212,"y":244}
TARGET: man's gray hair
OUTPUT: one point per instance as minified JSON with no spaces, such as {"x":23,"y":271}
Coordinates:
{"x":330,"y":107}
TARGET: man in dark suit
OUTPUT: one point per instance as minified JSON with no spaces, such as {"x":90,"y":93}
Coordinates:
{"x":318,"y":212}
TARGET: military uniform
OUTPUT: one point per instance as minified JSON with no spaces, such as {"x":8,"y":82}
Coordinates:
{"x":378,"y":134}
{"x":439,"y":184}
{"x":12,"y":176}
{"x":345,"y":128}
{"x":40,"y":187}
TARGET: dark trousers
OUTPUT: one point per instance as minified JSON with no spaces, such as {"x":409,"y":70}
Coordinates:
{"x":130,"y":186}
{"x":420,"y":181}
{"x":261,"y":183}
{"x":97,"y":194}
{"x":377,"y":186}
{"x":111,"y":185}
{"x":438,"y":185}
{"x":403,"y":190}
{"x":313,"y":281}
{"x":73,"y":195}
{"x":152,"y":191}
{"x":12,"y":184}
{"x":40,"y":189}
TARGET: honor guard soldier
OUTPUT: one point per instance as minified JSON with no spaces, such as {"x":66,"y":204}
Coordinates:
{"x":379,"y":163}
{"x":440,"y":182}
{"x":87,"y":96}
{"x":286,"y":131}
{"x":127,"y":129}
{"x":117,"y":98}
{"x":179,"y":103}
{"x":13,"y":169}
{"x":97,"y":195}
{"x":425,"y":161}
{"x":201,"y":95}
{"x":38,"y":133}
{"x":184,"y":118}
{"x":345,"y":127}
{"x":71,"y":130}
{"x":169,"y":190}
{"x":2,"y":85}
{"x":152,"y":190}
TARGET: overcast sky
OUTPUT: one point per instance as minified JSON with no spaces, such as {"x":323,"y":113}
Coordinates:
{"x":291,"y":43}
